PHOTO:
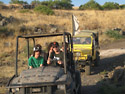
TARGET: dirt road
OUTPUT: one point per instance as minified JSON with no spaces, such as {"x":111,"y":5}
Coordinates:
{"x":112,"y":55}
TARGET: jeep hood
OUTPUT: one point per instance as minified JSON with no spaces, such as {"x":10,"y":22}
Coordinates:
{"x":48,"y":74}
{"x":82,"y":49}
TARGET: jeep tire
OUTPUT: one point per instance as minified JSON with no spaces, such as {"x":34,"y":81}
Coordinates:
{"x":87,"y":69}
{"x":97,"y":60}
{"x":78,"y":82}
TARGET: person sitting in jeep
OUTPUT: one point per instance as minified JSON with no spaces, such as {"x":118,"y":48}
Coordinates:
{"x":36,"y":60}
{"x":87,"y":41}
{"x":57,"y":58}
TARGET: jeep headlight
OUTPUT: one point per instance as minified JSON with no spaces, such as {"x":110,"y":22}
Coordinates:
{"x":78,"y":54}
{"x":15,"y":90}
{"x":61,"y":87}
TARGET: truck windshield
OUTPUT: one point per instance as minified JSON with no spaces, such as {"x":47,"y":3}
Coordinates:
{"x":81,"y":40}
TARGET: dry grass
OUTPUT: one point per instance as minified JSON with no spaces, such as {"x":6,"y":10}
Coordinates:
{"x":99,"y":20}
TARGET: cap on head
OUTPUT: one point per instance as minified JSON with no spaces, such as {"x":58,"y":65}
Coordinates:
{"x":55,"y":44}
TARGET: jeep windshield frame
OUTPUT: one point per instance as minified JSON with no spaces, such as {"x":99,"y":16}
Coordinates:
{"x":82,"y":40}
{"x":66,"y":36}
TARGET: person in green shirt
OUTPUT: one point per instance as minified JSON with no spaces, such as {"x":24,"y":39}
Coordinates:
{"x":36,"y":60}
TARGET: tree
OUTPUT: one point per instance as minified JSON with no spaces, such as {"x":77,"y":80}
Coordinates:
{"x":111,"y":5}
{"x":18,"y":2}
{"x":91,"y":5}
{"x":58,"y":4}
{"x":35,"y":2}
{"x":44,"y":10}
{"x":13,"y":1}
{"x":1,"y":2}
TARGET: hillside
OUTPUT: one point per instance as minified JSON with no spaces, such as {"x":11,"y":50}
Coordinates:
{"x":29,"y":22}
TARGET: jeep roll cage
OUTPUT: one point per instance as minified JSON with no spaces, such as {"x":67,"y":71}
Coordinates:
{"x":65,"y":35}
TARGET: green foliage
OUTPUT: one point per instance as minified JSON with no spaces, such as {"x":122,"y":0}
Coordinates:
{"x":35,"y":2}
{"x":91,"y":5}
{"x":63,"y":4}
{"x":18,"y":2}
{"x":3,"y":30}
{"x":111,"y":89}
{"x":1,"y":2}
{"x":113,"y":34}
{"x":24,"y":11}
{"x":44,"y":10}
{"x":110,"y":6}
{"x":122,"y":6}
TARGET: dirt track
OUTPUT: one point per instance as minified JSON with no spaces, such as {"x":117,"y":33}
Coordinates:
{"x":112,"y":55}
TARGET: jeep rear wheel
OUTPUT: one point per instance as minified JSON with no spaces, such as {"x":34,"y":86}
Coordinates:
{"x":87,"y":69}
{"x":97,"y":60}
{"x":78,"y":82}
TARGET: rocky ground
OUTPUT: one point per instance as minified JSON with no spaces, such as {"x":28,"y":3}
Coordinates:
{"x":112,"y":56}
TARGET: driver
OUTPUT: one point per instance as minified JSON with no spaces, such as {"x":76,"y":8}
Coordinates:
{"x":57,"y":58}
{"x":87,"y":41}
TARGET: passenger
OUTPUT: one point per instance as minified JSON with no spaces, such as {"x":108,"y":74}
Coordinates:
{"x":50,"y":50}
{"x":57,"y":58}
{"x":36,"y":60}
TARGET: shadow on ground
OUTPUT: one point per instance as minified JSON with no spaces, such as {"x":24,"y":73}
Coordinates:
{"x":109,"y":64}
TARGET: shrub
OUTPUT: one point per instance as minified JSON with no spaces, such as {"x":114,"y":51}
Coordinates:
{"x":24,"y":10}
{"x":44,"y":10}
{"x":35,"y":2}
{"x":91,"y":5}
{"x":111,"y":89}
{"x":122,"y":6}
{"x":18,"y":2}
{"x":110,"y":6}
{"x":58,"y":4}
{"x":3,"y":30}
{"x":1,"y":2}
{"x":113,"y":34}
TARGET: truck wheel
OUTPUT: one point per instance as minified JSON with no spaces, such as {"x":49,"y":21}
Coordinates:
{"x":87,"y":69}
{"x":78,"y":82}
{"x":97,"y":60}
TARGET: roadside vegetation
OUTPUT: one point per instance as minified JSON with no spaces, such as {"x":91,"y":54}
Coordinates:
{"x":114,"y":34}
{"x":44,"y":10}
{"x":111,"y":89}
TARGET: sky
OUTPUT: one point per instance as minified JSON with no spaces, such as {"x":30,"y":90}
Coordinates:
{"x":78,"y":2}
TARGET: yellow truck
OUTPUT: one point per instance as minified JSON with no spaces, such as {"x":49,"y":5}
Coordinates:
{"x":86,"y":50}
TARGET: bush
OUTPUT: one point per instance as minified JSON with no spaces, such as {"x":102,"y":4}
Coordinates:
{"x":24,"y":10}
{"x":3,"y":31}
{"x":1,"y":2}
{"x":110,"y":6}
{"x":35,"y":2}
{"x":122,"y":6}
{"x":91,"y":5}
{"x":111,"y":89}
{"x":113,"y":34}
{"x":58,"y":4}
{"x":18,"y":2}
{"x":44,"y":10}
